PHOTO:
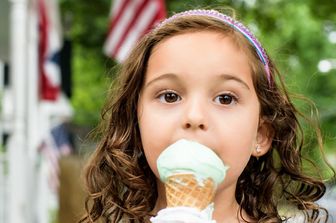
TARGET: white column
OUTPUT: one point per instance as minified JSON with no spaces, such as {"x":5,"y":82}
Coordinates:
{"x":3,"y":179}
{"x":32,"y":81}
{"x":2,"y":71}
{"x":19,"y":205}
{"x":33,"y":125}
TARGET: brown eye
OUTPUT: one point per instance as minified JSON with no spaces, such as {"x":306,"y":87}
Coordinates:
{"x":169,"y":97}
{"x":226,"y":99}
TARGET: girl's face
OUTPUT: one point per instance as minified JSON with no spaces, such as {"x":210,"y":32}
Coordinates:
{"x":199,"y":86}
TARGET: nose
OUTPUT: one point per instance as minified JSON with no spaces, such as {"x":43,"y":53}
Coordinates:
{"x":195,"y":116}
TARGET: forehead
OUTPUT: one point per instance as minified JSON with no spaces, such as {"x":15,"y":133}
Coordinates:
{"x":205,"y":52}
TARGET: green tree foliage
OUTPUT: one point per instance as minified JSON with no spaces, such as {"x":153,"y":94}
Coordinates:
{"x":86,"y":24}
{"x":295,"y":33}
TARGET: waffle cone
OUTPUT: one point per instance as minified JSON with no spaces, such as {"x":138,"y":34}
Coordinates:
{"x":185,"y":190}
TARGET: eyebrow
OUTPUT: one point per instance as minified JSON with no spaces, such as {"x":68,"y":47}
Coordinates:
{"x":161,"y":77}
{"x":225,"y":77}
{"x":228,"y":77}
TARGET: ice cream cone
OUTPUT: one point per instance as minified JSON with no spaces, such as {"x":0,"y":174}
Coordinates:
{"x":191,"y":173}
{"x":184,"y":189}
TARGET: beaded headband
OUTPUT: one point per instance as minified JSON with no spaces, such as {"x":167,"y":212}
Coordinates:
{"x":234,"y":24}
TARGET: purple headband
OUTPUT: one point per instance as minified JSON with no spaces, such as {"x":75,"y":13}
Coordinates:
{"x":234,"y":24}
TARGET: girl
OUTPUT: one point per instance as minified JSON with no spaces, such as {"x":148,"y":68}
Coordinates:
{"x":203,"y":76}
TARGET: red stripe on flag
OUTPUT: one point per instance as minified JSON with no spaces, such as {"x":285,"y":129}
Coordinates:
{"x":43,"y":27}
{"x":162,"y":10}
{"x":47,"y":90}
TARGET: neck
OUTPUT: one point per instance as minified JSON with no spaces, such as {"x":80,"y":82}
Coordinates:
{"x":226,"y":207}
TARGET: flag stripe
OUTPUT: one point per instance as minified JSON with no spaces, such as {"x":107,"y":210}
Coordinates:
{"x":155,"y":19}
{"x":118,"y":10}
{"x":49,"y":48}
{"x":130,"y":19}
{"x":138,"y":29}
{"x":120,"y":25}
{"x":160,"y":14}
{"x":116,"y":7}
{"x":131,"y":28}
{"x":43,"y":27}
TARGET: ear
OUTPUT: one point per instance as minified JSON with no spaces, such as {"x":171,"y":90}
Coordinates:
{"x":264,"y":138}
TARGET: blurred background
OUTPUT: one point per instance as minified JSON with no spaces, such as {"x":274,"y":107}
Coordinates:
{"x":56,"y":64}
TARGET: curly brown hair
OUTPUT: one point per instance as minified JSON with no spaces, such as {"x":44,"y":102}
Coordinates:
{"x":122,"y":187}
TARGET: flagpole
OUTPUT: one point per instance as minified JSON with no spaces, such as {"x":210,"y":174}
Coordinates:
{"x":19,"y":206}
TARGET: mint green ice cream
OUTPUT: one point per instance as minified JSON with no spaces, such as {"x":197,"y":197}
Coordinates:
{"x":186,"y":156}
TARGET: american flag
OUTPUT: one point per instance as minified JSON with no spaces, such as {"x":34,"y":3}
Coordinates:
{"x":129,"y":20}
{"x":51,"y":100}
{"x":50,"y":44}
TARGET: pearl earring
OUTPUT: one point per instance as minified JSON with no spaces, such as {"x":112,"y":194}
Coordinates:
{"x":258,"y":149}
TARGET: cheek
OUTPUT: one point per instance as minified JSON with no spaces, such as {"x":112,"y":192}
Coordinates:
{"x":151,"y":136}
{"x":238,"y":141}
{"x":236,"y":157}
{"x":237,"y":161}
